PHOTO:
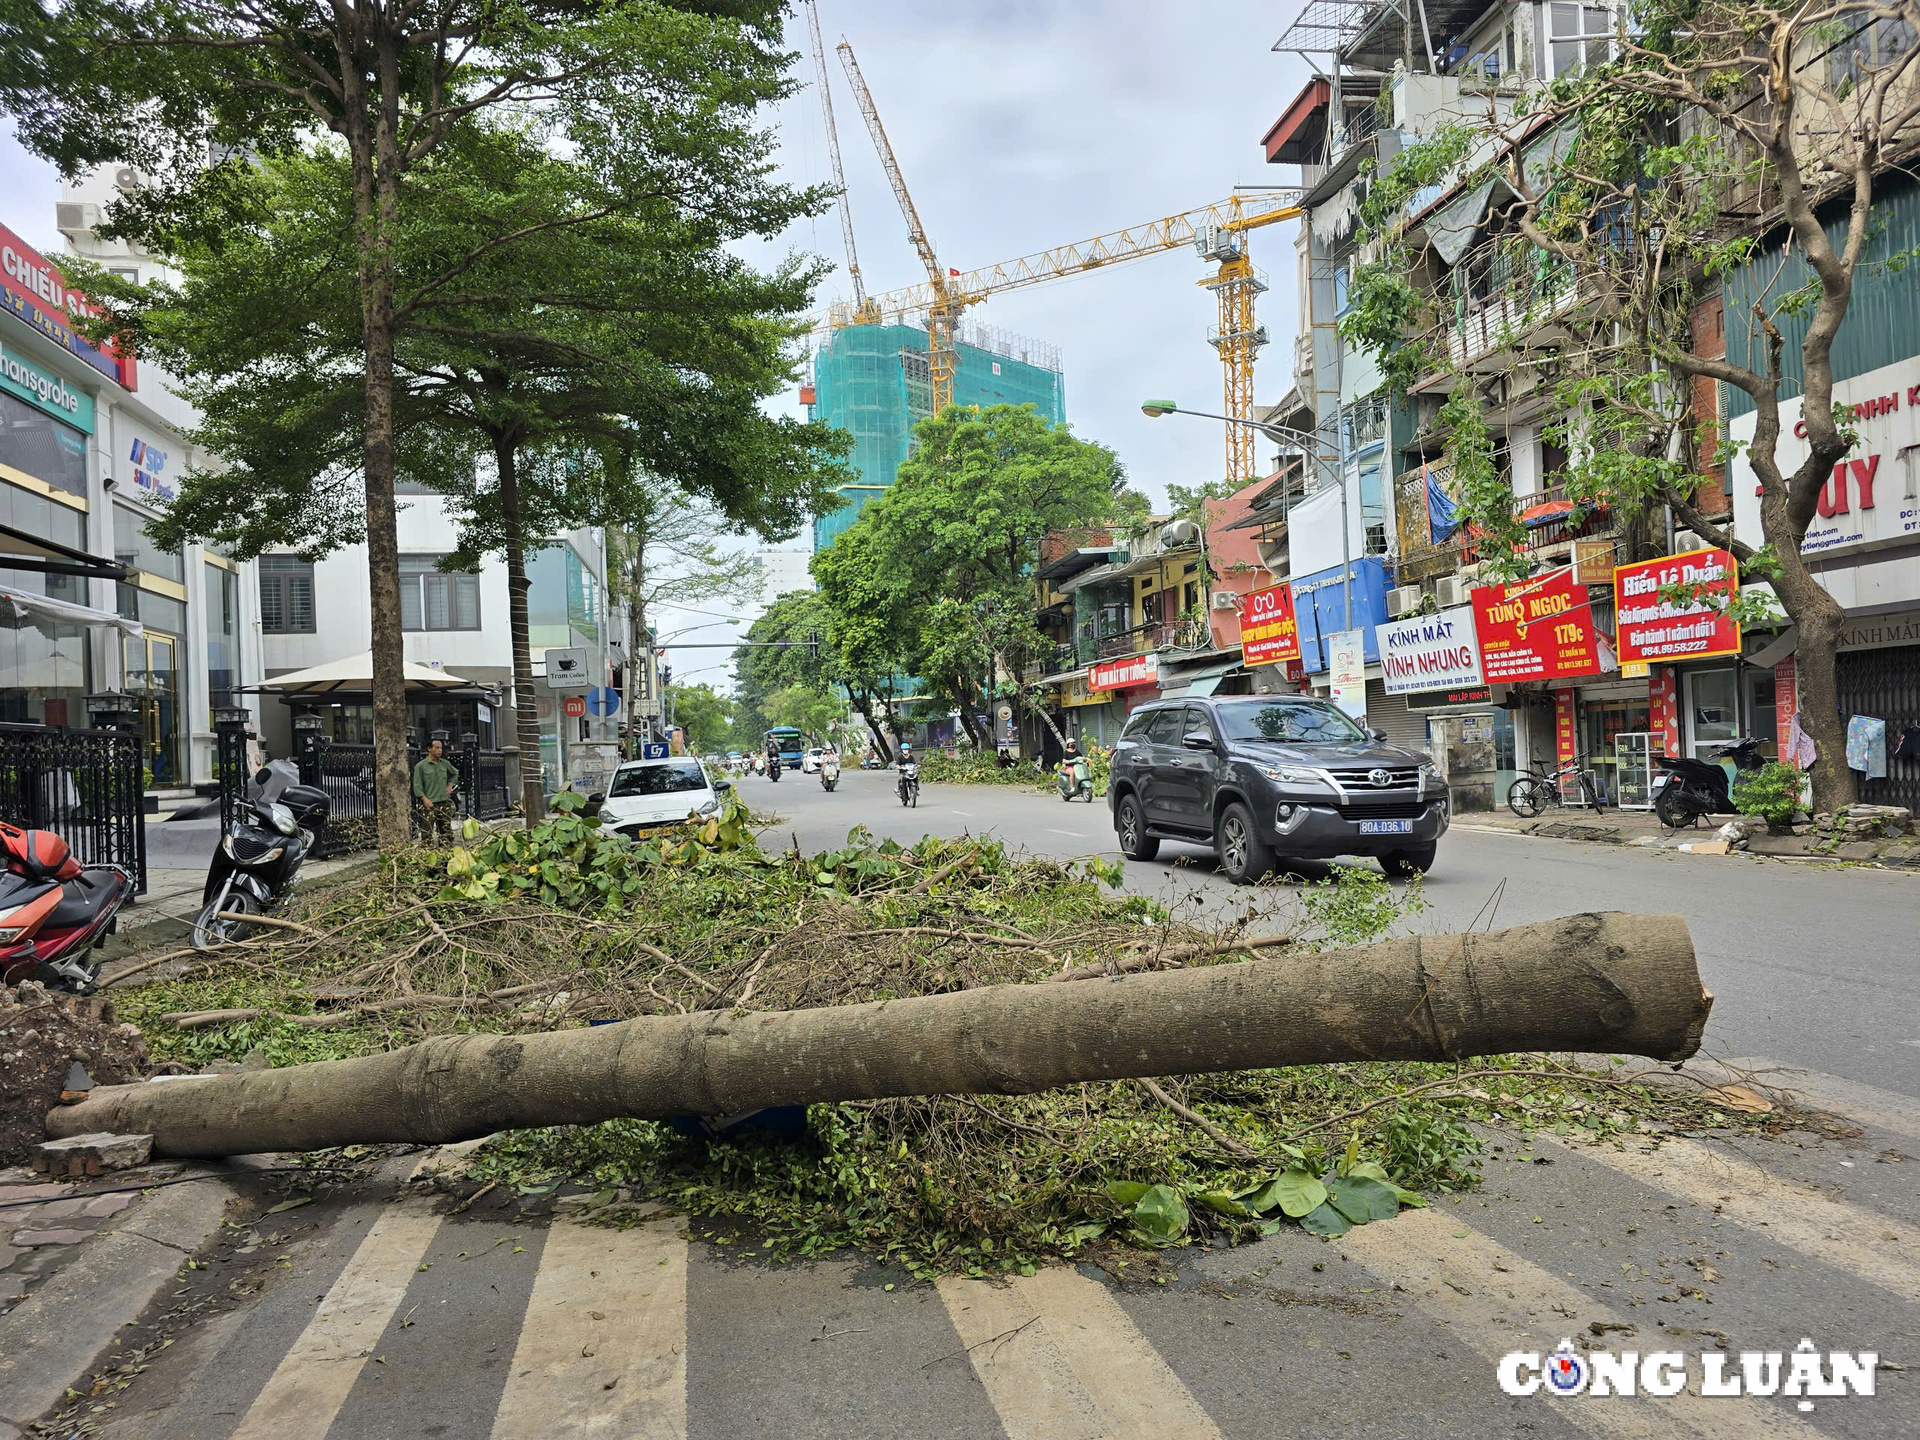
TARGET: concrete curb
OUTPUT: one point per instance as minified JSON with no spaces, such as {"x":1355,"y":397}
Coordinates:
{"x":56,"y":1334}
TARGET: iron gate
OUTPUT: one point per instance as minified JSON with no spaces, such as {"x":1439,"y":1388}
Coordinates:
{"x":84,"y":785}
{"x":1885,"y":683}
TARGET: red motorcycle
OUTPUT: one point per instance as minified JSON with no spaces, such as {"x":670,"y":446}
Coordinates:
{"x":54,"y":911}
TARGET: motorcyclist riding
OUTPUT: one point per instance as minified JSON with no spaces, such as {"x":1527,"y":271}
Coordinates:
{"x":908,"y":771}
{"x":1076,"y":774}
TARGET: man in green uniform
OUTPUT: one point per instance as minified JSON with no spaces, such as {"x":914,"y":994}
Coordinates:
{"x":435,"y":782}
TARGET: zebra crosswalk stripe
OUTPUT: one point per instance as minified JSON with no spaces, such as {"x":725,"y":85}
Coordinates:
{"x":312,"y":1381}
{"x":1874,"y":1247}
{"x":603,"y":1345}
{"x":1495,"y":1301}
{"x":1060,"y":1360}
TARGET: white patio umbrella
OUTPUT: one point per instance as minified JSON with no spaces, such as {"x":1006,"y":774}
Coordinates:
{"x":355,"y":673}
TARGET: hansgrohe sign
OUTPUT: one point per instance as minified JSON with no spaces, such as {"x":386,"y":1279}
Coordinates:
{"x":20,"y":376}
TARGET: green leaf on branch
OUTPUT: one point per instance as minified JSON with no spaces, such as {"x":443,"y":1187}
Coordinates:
{"x":1161,"y":1216}
{"x":1325,"y":1220}
{"x":1297,"y":1192}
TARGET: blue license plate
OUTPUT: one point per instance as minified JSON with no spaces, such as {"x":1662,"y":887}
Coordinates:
{"x":1386,"y":827}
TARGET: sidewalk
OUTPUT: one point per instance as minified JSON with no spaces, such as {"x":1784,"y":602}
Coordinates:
{"x":1643,"y":828}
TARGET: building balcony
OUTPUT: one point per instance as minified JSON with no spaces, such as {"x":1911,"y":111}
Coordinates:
{"x":1549,"y":519}
{"x":1189,"y":632}
{"x":1511,"y":301}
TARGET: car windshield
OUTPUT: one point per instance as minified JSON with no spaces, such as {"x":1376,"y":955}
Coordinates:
{"x":668,"y":778}
{"x":1300,"y":722}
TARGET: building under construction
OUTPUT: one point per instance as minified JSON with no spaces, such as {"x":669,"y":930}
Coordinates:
{"x":873,"y":382}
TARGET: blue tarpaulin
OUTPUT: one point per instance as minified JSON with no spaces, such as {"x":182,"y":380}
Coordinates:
{"x":1443,"y":516}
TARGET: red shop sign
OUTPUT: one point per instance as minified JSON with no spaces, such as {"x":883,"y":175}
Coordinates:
{"x":1125,"y":674}
{"x":1269,"y":633}
{"x":1566,"y":732}
{"x":574,"y":706}
{"x":1538,"y":629}
{"x":1654,"y":629}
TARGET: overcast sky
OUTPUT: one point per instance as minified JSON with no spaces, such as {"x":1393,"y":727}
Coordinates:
{"x":1021,"y":126}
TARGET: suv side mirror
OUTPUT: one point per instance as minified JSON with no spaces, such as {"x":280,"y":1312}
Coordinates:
{"x":1379,"y":737}
{"x":1197,"y":740}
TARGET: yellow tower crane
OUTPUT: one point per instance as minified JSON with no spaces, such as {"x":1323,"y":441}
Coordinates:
{"x":942,"y":313}
{"x":1216,"y":232}
{"x":861,"y":313}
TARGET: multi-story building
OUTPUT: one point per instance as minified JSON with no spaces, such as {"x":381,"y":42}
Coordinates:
{"x":92,"y":447}
{"x":1501,"y":307}
{"x":314,"y":613}
{"x":872,"y":382}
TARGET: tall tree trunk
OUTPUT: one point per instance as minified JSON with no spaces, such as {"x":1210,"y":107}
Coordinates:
{"x":863,"y":702}
{"x":376,"y":209}
{"x":1607,"y":984}
{"x":533,"y":794}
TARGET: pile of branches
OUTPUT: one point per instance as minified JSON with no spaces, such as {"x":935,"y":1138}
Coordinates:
{"x":566,"y":925}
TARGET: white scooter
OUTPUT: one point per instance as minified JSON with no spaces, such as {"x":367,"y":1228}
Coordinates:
{"x":829,"y":771}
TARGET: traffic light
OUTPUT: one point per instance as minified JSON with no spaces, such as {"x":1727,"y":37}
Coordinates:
{"x":813,"y":645}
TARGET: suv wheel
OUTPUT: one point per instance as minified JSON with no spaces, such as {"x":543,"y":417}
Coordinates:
{"x":1244,"y":857}
{"x":1416,"y":861}
{"x":1131,"y":828}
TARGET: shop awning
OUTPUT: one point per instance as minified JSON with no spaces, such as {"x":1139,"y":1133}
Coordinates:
{"x":25,"y":603}
{"x":1203,"y":681}
{"x":20,"y":550}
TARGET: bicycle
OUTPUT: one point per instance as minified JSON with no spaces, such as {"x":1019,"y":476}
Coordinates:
{"x":1530,"y":795}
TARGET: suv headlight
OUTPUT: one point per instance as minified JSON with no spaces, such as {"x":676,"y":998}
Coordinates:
{"x":1430,"y":771}
{"x":1294,"y":775}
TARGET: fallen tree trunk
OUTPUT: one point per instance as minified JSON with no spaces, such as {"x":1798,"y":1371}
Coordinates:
{"x":1608,"y":983}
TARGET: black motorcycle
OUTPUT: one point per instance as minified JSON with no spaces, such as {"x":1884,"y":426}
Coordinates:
{"x":909,"y":784}
{"x":1687,"y":790}
{"x":257,"y":862}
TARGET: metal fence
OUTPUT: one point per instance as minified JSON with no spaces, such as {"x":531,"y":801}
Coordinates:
{"x":84,"y":785}
{"x":345,"y":772}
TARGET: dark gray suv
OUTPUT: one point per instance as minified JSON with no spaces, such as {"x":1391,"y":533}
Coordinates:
{"x":1258,"y":777}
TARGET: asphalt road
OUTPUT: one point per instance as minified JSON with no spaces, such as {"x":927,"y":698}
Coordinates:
{"x":1814,"y":965}
{"x":374,"y":1315}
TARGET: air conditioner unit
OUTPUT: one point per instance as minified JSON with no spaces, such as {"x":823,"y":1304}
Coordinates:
{"x":74,"y":219}
{"x":1450,"y":590}
{"x":1225,"y":600}
{"x":1403,"y":600}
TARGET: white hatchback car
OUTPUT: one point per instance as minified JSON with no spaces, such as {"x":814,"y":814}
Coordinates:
{"x":810,"y":762}
{"x":653,"y":794}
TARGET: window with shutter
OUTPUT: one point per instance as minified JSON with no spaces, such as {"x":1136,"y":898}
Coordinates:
{"x":286,"y":595}
{"x":433,"y":600}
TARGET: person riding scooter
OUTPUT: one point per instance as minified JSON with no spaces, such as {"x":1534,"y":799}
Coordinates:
{"x":829,"y":769}
{"x":908,"y":785}
{"x":1075,"y":777}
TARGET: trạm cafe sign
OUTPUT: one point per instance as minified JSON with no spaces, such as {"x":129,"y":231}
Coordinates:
{"x":1869,"y":499}
{"x":1269,"y":630}
{"x":1428,"y":652}
{"x":1654,"y":629}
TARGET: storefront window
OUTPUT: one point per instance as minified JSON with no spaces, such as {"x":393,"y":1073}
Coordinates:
{"x":1713,"y":709}
{"x":36,"y":444}
{"x":43,"y":668}
{"x":39,"y":516}
{"x":132,"y":548}
{"x":1605,"y":720}
{"x":223,"y":637}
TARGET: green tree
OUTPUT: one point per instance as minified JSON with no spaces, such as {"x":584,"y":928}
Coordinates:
{"x":950,"y":549}
{"x":656,"y":99}
{"x":705,"y":716}
{"x":1706,"y":113}
{"x":597,"y":369}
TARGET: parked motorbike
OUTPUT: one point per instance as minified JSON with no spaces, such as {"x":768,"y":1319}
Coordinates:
{"x":257,"y":862}
{"x":909,"y":784}
{"x":1075,"y":779}
{"x":1688,"y":789}
{"x":55,"y":911}
{"x":829,"y":771}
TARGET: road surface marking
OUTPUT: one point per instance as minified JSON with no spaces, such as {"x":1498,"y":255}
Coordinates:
{"x":1060,"y":1360}
{"x":314,"y":1378}
{"x":1453,"y":1278}
{"x":1873,"y":1246}
{"x":1077,"y":834}
{"x":967,"y":813}
{"x":1862,"y":1104}
{"x":603,"y":1345}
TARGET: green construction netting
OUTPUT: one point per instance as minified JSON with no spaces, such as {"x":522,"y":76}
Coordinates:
{"x":871,"y":382}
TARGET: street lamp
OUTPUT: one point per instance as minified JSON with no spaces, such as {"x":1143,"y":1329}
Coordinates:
{"x":1284,"y":435}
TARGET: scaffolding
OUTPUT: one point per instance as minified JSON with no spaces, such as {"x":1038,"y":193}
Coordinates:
{"x":874,"y":382}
